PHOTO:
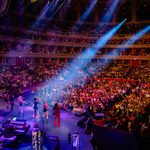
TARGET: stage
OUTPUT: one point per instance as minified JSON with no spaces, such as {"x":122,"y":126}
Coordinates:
{"x":68,"y":125}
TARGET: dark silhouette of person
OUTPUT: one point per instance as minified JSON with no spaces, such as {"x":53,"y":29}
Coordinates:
{"x":11,"y":100}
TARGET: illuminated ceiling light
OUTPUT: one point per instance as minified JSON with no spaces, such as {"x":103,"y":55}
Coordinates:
{"x":33,"y":1}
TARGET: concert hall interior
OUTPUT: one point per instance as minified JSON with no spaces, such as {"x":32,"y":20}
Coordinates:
{"x":74,"y":74}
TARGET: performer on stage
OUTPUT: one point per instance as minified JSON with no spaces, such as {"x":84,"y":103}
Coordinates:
{"x":56,"y":110}
{"x":45,"y":110}
{"x":35,"y":107}
{"x":21,"y":102}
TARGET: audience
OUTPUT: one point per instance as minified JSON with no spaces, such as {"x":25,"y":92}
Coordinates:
{"x":121,"y":92}
{"x":6,"y":46}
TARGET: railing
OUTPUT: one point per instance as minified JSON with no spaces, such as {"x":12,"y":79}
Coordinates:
{"x":53,"y":43}
{"x":46,"y":55}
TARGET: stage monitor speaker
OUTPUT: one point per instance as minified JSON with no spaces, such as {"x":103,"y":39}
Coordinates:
{"x":52,"y":142}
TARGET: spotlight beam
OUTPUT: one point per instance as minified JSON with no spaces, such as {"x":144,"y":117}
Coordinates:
{"x":54,"y":13}
{"x":88,"y":11}
{"x":107,"y":36}
{"x":73,"y":72}
{"x":123,"y":46}
{"x":133,"y":39}
{"x":43,"y":13}
{"x":107,"y":17}
{"x":83,"y":18}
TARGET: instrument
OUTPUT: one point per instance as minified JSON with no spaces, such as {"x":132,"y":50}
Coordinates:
{"x":20,"y":126}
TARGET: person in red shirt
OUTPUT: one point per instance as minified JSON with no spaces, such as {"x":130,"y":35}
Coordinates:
{"x":56,"y":111}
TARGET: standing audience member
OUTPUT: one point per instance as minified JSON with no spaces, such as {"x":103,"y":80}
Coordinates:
{"x":11,"y":100}
{"x":5,"y":98}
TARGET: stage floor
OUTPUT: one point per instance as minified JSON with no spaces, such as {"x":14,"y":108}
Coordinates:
{"x":68,"y":124}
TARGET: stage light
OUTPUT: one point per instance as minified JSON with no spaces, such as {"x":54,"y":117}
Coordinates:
{"x":107,"y":17}
{"x":42,"y":15}
{"x":134,"y":38}
{"x":125,"y":45}
{"x":33,"y":1}
{"x":70,"y":74}
{"x":14,"y":118}
{"x":107,"y":36}
{"x":85,"y":15}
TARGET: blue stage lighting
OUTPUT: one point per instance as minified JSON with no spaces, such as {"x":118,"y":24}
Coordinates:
{"x":55,"y":10}
{"x":73,"y":72}
{"x":43,"y":13}
{"x":52,"y":8}
{"x":107,"y":17}
{"x":83,"y":18}
{"x":113,"y":54}
{"x":133,"y":39}
{"x":88,"y":11}
{"x":137,"y":36}
{"x":102,"y":41}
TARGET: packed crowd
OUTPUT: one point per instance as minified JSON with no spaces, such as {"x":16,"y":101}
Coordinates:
{"x":141,"y":73}
{"x":19,"y":77}
{"x":7,"y":46}
{"x":99,"y":85}
{"x":59,"y":38}
{"x":15,"y":77}
{"x":121,"y":92}
{"x":114,"y":71}
{"x":100,"y":94}
{"x":132,"y":113}
{"x":114,"y":86}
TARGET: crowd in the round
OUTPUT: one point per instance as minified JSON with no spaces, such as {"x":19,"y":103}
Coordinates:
{"x":19,"y":77}
{"x":123,"y":98}
{"x":121,"y":92}
{"x":26,"y":76}
{"x":101,"y":88}
{"x":46,"y":65}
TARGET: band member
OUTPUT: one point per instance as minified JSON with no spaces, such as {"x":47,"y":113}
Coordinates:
{"x":56,"y":111}
{"x":21,"y":105}
{"x":35,"y":107}
{"x":11,"y":100}
{"x":45,"y":110}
